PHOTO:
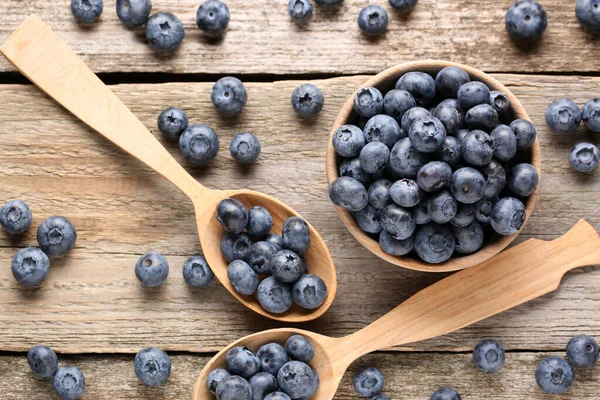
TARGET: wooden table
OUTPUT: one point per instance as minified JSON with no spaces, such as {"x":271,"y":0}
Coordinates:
{"x":96,"y":315}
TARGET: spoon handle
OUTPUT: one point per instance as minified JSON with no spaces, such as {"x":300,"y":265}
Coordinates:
{"x":515,"y":276}
{"x":43,"y":57}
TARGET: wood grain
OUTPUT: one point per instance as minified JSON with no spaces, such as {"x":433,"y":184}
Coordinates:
{"x":92,"y":301}
{"x":262,"y":40}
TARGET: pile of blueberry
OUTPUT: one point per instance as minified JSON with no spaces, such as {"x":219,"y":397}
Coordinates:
{"x":434,"y":165}
{"x":252,"y":250}
{"x":564,"y":116}
{"x":68,"y":381}
{"x":273,"y":373}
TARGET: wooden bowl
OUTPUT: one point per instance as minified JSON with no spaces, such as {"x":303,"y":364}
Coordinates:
{"x":385,"y":81}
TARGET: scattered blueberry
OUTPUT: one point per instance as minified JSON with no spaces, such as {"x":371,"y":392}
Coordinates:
{"x":525,"y":133}
{"x":300,"y":10}
{"x":523,"y":179}
{"x":379,"y":193}
{"x":442,"y":207}
{"x":236,"y":246}
{"x":482,"y":116}
{"x":465,"y":215}
{"x":369,"y":219}
{"x":434,"y":176}
{"x":172,"y":122}
{"x":286,"y":266}
{"x":242,"y":277}
{"x":348,"y":194}
{"x":508,"y":216}
{"x":411,"y":116}
{"x":307,"y":99}
{"x":499,"y":101}
{"x":403,"y":5}
{"x":591,"y":112}
{"x":582,"y":352}
{"x":309,"y":291}
{"x":406,"y":193}
{"x":262,"y":384}
{"x":164,"y":32}
{"x":472,"y":94}
{"x":450,"y":115}
{"x":275,"y":296}
{"x":42,"y":361}
{"x":584,"y":157}
{"x":69,"y":383}
{"x":394,"y":246}
{"x":86,"y":11}
{"x":504,"y":141}
{"x":434,"y":243}
{"x":420,"y":85}
{"x":398,"y":222}
{"x":296,"y":379}
{"x":374,"y":157}
{"x":368,"y":382}
{"x":406,"y":160}
{"x":133,"y":13}
{"x":588,"y":14}
{"x":563,"y":116}
{"x":229,"y":95}
{"x":526,"y":20}
{"x":495,"y":179}
{"x":56,"y":236}
{"x":477,"y":148}
{"x":467,"y":185}
{"x":234,"y":388}
{"x":15,"y":217}
{"x":232,"y":215}
{"x":152,"y":366}
{"x":299,"y":348}
{"x":214,"y":378}
{"x":348,"y":140}
{"x":449,"y":80}
{"x":383,"y":128}
{"x":427,"y":134}
{"x":272,"y":357}
{"x":554,"y":375}
{"x":245,"y":148}
{"x":445,"y":394}
{"x":197,"y":273}
{"x":199,"y":144}
{"x":373,"y":20}
{"x":152,"y":269}
{"x":397,"y":102}
{"x":212,"y":18}
{"x":488,"y":355}
{"x":368,"y":102}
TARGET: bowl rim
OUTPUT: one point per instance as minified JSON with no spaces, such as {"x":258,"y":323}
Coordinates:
{"x":387,"y":78}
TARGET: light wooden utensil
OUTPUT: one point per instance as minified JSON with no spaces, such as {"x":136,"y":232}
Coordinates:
{"x":515,"y":276}
{"x":49,"y":63}
{"x":385,"y":81}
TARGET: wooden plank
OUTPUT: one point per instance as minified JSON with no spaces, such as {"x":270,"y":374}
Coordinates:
{"x":261,"y":39}
{"x":407,"y":376}
{"x":92,"y":301}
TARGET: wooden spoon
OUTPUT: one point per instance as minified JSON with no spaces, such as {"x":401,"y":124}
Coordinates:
{"x":49,"y":63}
{"x":522,"y":273}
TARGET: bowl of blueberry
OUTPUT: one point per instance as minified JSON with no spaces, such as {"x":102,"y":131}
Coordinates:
{"x":434,"y":166}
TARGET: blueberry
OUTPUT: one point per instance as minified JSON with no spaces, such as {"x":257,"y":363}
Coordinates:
{"x":554,"y":375}
{"x":449,"y":151}
{"x":242,"y":277}
{"x":348,"y":140}
{"x":348,"y":194}
{"x":309,"y":292}
{"x":164,"y":32}
{"x":368,"y":102}
{"x":69,"y":383}
{"x":152,"y":269}
{"x":172,"y":122}
{"x":406,"y":160}
{"x":403,"y":5}
{"x":525,"y":133}
{"x":420,"y":85}
{"x":526,"y":20}
{"x":296,"y":235}
{"x":212,"y":18}
{"x":563,"y":116}
{"x":420,"y":212}
{"x":472,"y":94}
{"x":56,"y":236}
{"x":477,"y":148}
{"x":499,"y":101}
{"x":215,"y":377}
{"x":133,"y":13}
{"x":582,"y":351}
{"x":449,"y":80}
{"x":286,"y":266}
{"x":300,"y":10}
{"x":523,"y":179}
{"x":397,"y":102}
{"x":394,"y":246}
{"x":482,"y":116}
{"x":508,"y":216}
{"x":243,"y":362}
{"x":272,"y":357}
{"x":234,"y":388}
{"x":299,"y":348}
{"x":296,"y":379}
{"x":398,"y":222}
{"x":411,"y":116}
{"x":591,"y":112}
{"x":275,"y":240}
{"x":434,"y":243}
{"x":467,"y":185}
{"x":236,"y":246}
{"x":152,"y":366}
{"x":464,"y":215}
{"x":406,"y":193}
{"x":275,"y":296}
{"x":374,"y":157}
{"x":277,"y":396}
{"x":350,"y":167}
{"x":42,"y":361}
{"x":434,"y":176}
{"x":445,"y":394}
{"x":369,"y":219}
{"x":488,"y":355}
{"x":483,"y":209}
{"x":86,"y":11}
{"x":462,"y":134}
{"x":442,"y":207}
{"x":245,"y":148}
{"x":329,"y":3}
{"x":229,"y":95}
{"x":588,"y":13}
{"x":307,"y":99}
{"x":15,"y":217}
{"x":495,"y":179}
{"x":368,"y":382}
{"x":450,"y":115}
{"x":197,"y":273}
{"x":584,"y":157}
{"x":260,"y":256}
{"x":262,"y":384}
{"x":314,"y":387}
{"x":199,"y":144}
{"x":427,"y":134}
{"x":260,"y":221}
{"x":379,"y":193}
{"x":383,"y":128}
{"x":469,"y":239}
{"x":232,"y":215}
{"x":373,"y":20}
{"x":504,"y":141}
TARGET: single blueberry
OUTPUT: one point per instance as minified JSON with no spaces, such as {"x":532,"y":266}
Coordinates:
{"x":300,"y":10}
{"x":495,"y":179}
{"x":348,"y":194}
{"x":483,"y":209}
{"x":488,"y":355}
{"x":427,"y":134}
{"x":56,"y":236}
{"x":472,"y":94}
{"x":133,"y":13}
{"x":482,"y":116}
{"x":229,"y":95}
{"x":445,"y":394}
{"x":172,"y":122}
{"x":260,"y":221}
{"x":449,"y":80}
{"x":469,"y":239}
{"x":286,"y":266}
{"x":563,"y":116}
{"x":467,"y":185}
{"x":450,"y":115}
{"x":315,"y":386}
{"x":383,"y":128}
{"x":465,"y":215}
{"x":434,"y":243}
{"x":379,"y":193}
{"x":420,"y":211}
{"x":477,"y":148}
{"x":403,"y":5}
{"x":260,"y":257}
{"x":272,"y":357}
{"x":434,"y":176}
{"x":152,"y":366}
{"x":197,"y":273}
{"x":86,"y":11}
{"x":69,"y":383}
{"x":525,"y":133}
{"x":307,"y":99}
{"x":275,"y":240}
{"x":369,"y":219}
{"x":15,"y":217}
{"x":406,"y":193}
{"x":584,"y":157}
{"x":442,"y":207}
{"x":368,"y":102}
{"x":588,"y":13}
{"x":215,"y":377}
{"x":236,"y":246}
{"x":295,"y":379}
{"x":526,"y":20}
{"x":394,"y":246}
{"x":449,"y":151}
{"x":499,"y":101}
{"x":374,"y":157}
{"x":350,"y":167}
{"x":42,"y":361}
{"x":591,"y":112}
{"x":232,"y":215}
{"x":242,"y":361}
{"x":262,"y":384}
{"x":368,"y":382}
{"x":234,"y":388}
{"x":504,"y":141}
{"x":309,"y":292}
{"x":406,"y":160}
{"x":373,"y":20}
{"x":397,"y":102}
{"x":508,"y":216}
{"x":199,"y":144}
{"x":411,"y":116}
{"x":296,"y":235}
{"x":245,"y":148}
{"x":348,"y":140}
{"x":277,"y":396}
{"x":242,"y":277}
{"x":212,"y":18}
{"x":164,"y":32}
{"x":329,"y":3}
{"x":299,"y":348}
{"x":152,"y":269}
{"x":554,"y":375}
{"x":398,"y":222}
{"x":523,"y":179}
{"x":275,"y":296}
{"x":420,"y":85}
{"x":582,"y":351}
